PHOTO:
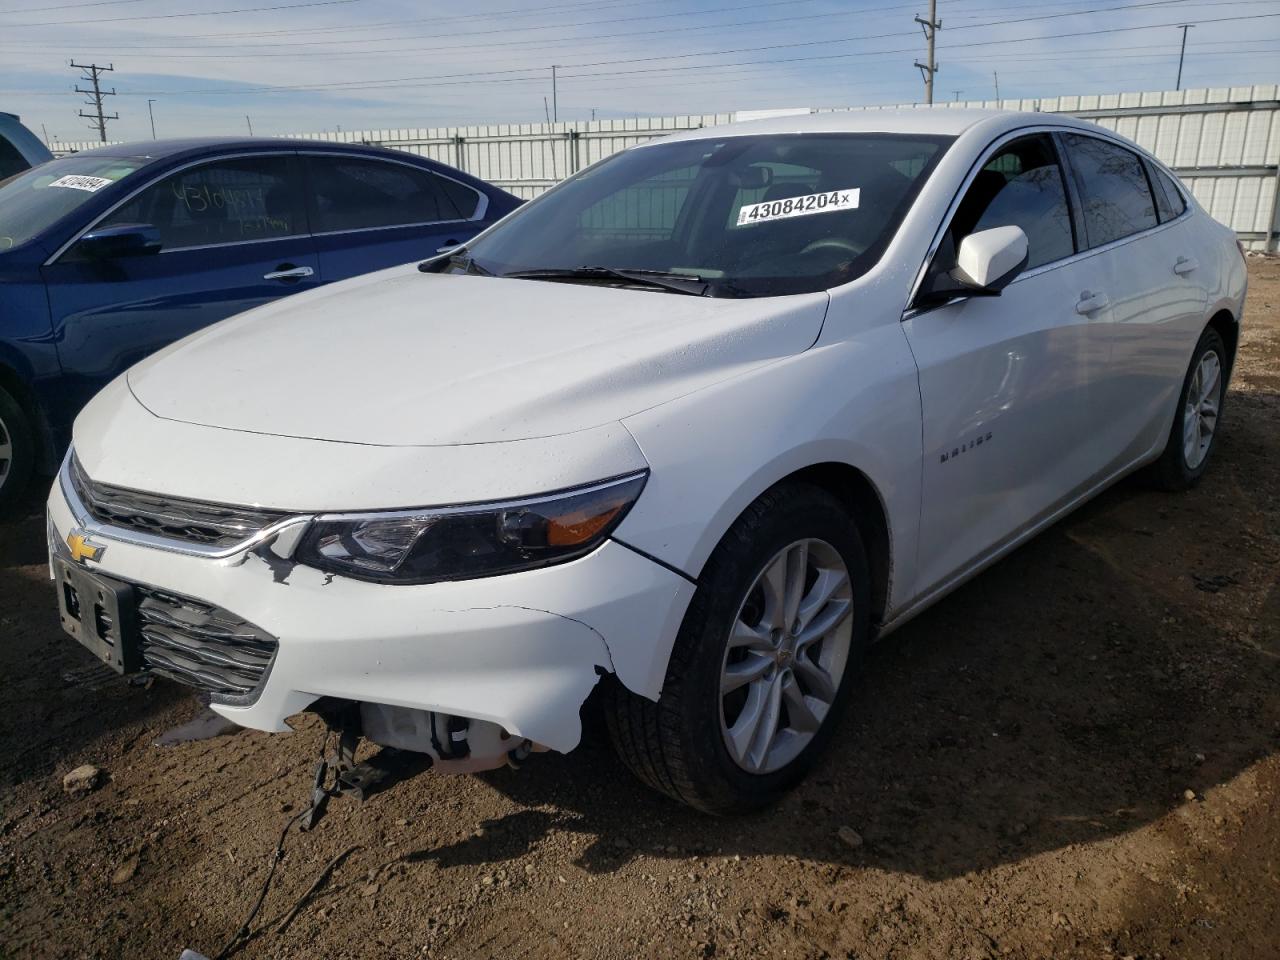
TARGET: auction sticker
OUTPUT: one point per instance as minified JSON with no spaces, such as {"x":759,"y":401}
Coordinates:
{"x":800,"y":206}
{"x":92,"y":184}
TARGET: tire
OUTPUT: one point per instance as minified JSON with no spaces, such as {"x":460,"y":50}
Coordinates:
{"x":680,"y":745}
{"x":1183,"y":461}
{"x":17,"y":453}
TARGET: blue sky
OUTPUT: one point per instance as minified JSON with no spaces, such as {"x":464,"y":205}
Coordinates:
{"x":374,"y":64}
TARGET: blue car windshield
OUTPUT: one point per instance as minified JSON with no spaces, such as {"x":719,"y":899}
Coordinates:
{"x":737,"y":216}
{"x":37,"y":198}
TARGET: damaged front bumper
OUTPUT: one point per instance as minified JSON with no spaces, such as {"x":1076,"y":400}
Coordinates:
{"x":513,"y":656}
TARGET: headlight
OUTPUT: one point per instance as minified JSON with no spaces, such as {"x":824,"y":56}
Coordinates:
{"x":480,"y":540}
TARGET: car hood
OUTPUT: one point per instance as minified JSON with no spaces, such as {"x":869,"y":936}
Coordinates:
{"x":404,"y":358}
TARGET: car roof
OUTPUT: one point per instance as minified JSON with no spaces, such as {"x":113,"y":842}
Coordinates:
{"x":940,"y":121}
{"x":166,"y":149}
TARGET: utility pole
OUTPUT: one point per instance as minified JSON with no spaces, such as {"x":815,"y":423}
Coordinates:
{"x":46,"y":136}
{"x":555,"y":105}
{"x":996,"y":76}
{"x":1184,"y":27}
{"x":151,"y":114}
{"x":957,"y":93}
{"x":249,"y":124}
{"x":91,"y":73}
{"x":930,"y":67}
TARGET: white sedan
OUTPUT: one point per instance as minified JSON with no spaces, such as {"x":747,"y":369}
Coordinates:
{"x":697,"y":426}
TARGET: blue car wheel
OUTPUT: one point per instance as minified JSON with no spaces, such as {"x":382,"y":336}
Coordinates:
{"x":17,"y":452}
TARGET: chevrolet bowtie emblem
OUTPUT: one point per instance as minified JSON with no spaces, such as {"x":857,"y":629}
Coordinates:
{"x":82,"y":550}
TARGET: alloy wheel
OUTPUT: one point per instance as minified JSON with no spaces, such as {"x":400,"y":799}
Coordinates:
{"x":1200,"y":415}
{"x":786,"y":656}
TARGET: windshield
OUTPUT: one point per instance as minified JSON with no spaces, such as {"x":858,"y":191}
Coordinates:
{"x":37,"y":198}
{"x":750,"y":216}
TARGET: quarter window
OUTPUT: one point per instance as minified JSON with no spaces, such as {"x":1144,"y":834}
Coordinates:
{"x":1114,"y":194}
{"x":1169,"y":202}
{"x":1021,"y":186}
{"x":351,"y":193}
{"x":226,"y":201}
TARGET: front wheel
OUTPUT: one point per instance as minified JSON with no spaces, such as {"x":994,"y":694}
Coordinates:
{"x":1199,"y":413}
{"x":761,"y":668}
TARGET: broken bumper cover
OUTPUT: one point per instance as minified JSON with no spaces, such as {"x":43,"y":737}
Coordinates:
{"x":522,"y":651}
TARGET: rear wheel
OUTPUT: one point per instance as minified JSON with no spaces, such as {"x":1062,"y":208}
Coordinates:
{"x":17,"y":452}
{"x":1195,"y":424}
{"x":760,"y":670}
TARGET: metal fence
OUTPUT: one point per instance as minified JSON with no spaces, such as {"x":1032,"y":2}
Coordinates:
{"x":1224,"y":142}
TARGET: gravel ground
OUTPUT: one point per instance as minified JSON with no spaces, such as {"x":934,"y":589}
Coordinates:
{"x":1076,"y":755}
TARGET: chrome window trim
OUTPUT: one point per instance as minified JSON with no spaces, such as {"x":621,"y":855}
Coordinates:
{"x":156,"y":179}
{"x":910,"y":311}
{"x":138,"y":539}
{"x":231,"y":243}
{"x":389,"y":226}
{"x":481,"y":208}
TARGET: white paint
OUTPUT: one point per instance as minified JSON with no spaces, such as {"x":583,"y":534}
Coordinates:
{"x":401,"y":389}
{"x":987,"y":256}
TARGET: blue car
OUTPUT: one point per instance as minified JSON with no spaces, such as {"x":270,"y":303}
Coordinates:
{"x":19,"y":147}
{"x":109,"y":255}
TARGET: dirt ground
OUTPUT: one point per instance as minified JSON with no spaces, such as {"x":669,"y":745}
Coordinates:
{"x":1076,"y":755}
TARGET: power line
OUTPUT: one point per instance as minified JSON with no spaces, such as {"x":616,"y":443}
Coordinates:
{"x":175,"y":16}
{"x":1122,"y":55}
{"x":393,"y":82}
{"x":541,"y":43}
{"x":399,"y":25}
{"x":683,"y":28}
{"x":454,"y":37}
{"x":90,"y":73}
{"x":68,"y":6}
{"x":534,"y":44}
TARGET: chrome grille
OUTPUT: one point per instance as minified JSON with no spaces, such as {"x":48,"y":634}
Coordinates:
{"x":203,"y":645}
{"x":192,"y":521}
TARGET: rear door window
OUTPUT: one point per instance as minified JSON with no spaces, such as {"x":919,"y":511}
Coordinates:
{"x":1115,"y":197}
{"x":234,"y":200}
{"x":354,"y":193}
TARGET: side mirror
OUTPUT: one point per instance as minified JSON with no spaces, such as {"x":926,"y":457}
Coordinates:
{"x":985,"y":264}
{"x":989,"y":260}
{"x":121,"y":240}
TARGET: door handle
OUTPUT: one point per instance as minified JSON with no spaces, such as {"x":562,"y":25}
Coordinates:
{"x":1184,"y":266}
{"x":287,"y":271}
{"x":1092,"y":302}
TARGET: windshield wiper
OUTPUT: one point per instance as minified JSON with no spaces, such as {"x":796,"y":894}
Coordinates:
{"x":675,"y":282}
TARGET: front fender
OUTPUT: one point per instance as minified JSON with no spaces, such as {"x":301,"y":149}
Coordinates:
{"x":712,"y":453}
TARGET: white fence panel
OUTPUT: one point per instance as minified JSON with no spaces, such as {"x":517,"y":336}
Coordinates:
{"x":1223,"y":142}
